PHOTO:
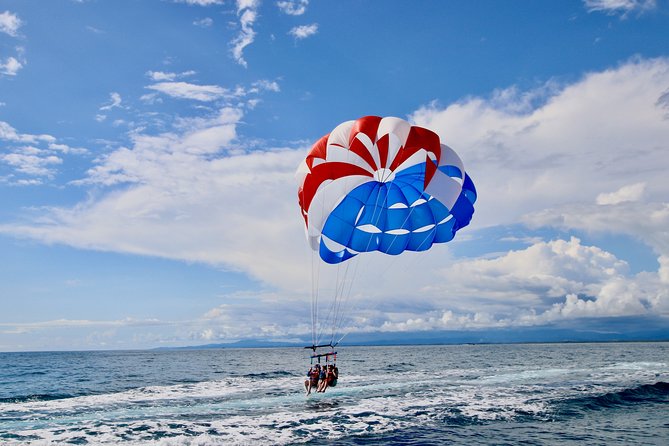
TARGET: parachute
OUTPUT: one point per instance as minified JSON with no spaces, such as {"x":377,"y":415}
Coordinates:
{"x":379,"y":184}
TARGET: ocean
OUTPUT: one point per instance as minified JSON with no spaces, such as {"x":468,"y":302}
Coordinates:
{"x":512,"y":394}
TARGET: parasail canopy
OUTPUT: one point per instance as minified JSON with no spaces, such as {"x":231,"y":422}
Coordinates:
{"x":382,"y":184}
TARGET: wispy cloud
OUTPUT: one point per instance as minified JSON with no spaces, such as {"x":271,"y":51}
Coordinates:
{"x":185,"y":90}
{"x":623,"y":7}
{"x":247,"y":10}
{"x":10,"y":23}
{"x":293,"y":7}
{"x":94,"y":30}
{"x":115,"y":101}
{"x":200,"y":2}
{"x":304,"y":31}
{"x":17,"y":327}
{"x":209,"y":93}
{"x":206,"y":22}
{"x":160,"y":76}
{"x":265,"y":85}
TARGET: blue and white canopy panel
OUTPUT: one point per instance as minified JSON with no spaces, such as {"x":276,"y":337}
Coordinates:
{"x":381,"y":184}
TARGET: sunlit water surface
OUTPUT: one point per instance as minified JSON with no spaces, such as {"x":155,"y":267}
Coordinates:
{"x":608,"y":394}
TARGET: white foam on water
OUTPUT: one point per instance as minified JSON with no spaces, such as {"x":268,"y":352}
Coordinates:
{"x":242,"y":410}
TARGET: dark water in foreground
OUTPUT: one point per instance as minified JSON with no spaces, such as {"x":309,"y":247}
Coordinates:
{"x":539,"y":394}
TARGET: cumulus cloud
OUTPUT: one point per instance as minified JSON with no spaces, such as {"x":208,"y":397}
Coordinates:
{"x":293,"y":7}
{"x":623,"y":7}
{"x":546,"y":282}
{"x":10,"y":67}
{"x":10,"y":23}
{"x":304,"y":31}
{"x":632,"y":192}
{"x":31,"y":161}
{"x":35,"y":156}
{"x":599,"y":134}
{"x":247,"y":10}
{"x":539,"y":273}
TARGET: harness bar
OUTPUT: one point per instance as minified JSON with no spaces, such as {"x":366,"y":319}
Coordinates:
{"x":314,"y":347}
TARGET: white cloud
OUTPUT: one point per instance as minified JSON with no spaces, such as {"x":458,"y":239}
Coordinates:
{"x":10,"y":66}
{"x":10,"y":23}
{"x":599,"y":134}
{"x":185,"y":90}
{"x":215,"y":210}
{"x":266,"y":85}
{"x":206,"y":22}
{"x":31,"y":163}
{"x":543,"y":157}
{"x":546,"y":282}
{"x":664,"y":269}
{"x":9,"y":133}
{"x":159,"y":76}
{"x":26,"y":327}
{"x":304,"y":31}
{"x":648,"y":222}
{"x":33,"y":155}
{"x":293,"y":7}
{"x":115,"y":101}
{"x":200,"y":2}
{"x":620,"y":6}
{"x":247,"y":10}
{"x":632,"y":192}
{"x":65,"y":149}
{"x":543,"y":271}
{"x":94,"y":29}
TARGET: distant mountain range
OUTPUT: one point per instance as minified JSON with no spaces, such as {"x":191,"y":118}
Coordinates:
{"x":626,"y":329}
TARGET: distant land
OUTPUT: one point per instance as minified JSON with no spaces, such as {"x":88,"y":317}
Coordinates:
{"x":590,"y":330}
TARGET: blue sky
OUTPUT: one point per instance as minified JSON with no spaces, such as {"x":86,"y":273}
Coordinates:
{"x":148,"y":151}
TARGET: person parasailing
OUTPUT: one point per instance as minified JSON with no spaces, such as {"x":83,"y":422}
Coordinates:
{"x":375,"y":184}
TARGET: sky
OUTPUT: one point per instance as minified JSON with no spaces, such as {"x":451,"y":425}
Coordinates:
{"x":148,"y":152}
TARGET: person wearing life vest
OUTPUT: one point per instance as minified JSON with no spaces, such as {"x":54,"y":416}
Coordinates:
{"x":313,"y":376}
{"x":330,"y":378}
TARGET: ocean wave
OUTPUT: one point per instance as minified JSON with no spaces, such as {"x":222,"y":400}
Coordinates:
{"x":269,"y":375}
{"x":641,"y":394}
{"x":36,"y":398}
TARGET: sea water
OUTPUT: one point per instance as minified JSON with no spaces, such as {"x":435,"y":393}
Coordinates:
{"x":533,"y":394}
